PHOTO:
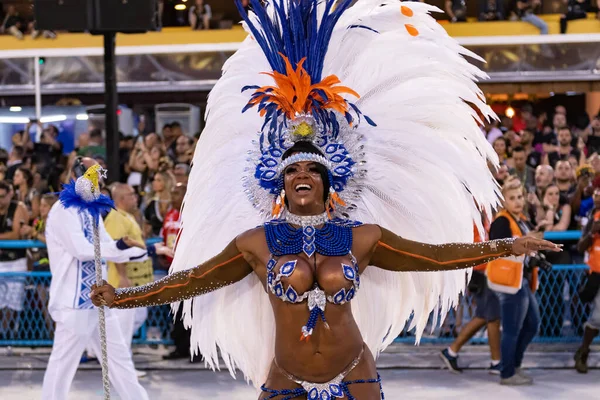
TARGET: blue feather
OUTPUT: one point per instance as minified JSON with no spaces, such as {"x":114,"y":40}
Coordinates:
{"x":369,"y":121}
{"x":70,"y":199}
{"x":250,"y":87}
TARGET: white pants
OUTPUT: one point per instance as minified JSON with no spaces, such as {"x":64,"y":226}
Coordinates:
{"x":76,"y":329}
{"x":130,"y":320}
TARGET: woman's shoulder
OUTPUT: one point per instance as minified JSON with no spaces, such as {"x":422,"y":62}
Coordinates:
{"x":251,"y":239}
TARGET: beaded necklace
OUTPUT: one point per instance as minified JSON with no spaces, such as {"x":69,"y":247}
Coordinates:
{"x":334,"y":238}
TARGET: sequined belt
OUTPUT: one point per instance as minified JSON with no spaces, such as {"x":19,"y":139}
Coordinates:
{"x":327,"y":390}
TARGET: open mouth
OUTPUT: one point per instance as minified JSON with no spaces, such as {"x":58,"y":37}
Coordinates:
{"x":303,"y":188}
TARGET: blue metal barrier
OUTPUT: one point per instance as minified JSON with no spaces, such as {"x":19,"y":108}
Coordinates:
{"x":33,"y":326}
{"x":561,"y":311}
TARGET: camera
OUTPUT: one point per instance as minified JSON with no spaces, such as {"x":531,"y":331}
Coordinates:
{"x":539,"y":260}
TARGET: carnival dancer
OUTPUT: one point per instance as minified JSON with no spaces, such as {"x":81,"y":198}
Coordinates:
{"x":71,"y":254}
{"x":396,"y":147}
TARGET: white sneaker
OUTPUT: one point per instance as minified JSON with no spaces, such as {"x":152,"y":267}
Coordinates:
{"x":140,"y":374}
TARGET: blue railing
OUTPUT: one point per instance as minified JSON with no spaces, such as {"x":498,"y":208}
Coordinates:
{"x":562,"y":313}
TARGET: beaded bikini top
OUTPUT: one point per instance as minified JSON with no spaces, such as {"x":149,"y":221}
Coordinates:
{"x":333,"y":238}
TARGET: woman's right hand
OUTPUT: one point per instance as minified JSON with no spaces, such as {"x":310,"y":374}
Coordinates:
{"x":103,"y":295}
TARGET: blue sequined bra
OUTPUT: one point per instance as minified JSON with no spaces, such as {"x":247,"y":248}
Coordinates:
{"x":333,"y":239}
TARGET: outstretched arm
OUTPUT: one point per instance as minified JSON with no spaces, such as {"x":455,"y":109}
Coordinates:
{"x":394,"y":253}
{"x":224,"y":269}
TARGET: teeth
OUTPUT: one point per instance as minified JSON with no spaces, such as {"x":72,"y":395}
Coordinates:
{"x":303,"y":186}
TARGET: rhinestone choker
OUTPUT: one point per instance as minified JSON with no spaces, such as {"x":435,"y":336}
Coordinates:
{"x":305,"y":220}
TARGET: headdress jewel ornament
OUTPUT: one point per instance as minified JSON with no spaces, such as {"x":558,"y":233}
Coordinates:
{"x":301,"y":105}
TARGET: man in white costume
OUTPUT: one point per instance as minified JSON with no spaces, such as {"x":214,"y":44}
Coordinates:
{"x":71,"y":253}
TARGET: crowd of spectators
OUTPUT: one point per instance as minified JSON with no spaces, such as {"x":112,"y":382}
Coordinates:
{"x":18,"y":25}
{"x":520,"y":10}
{"x":154,"y":170}
{"x":198,"y":14}
{"x":558,"y":164}
{"x":153,"y":164}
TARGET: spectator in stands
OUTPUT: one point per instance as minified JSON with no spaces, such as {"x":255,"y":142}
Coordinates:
{"x":26,"y":193}
{"x":581,"y":200}
{"x":544,"y":176}
{"x":15,"y":160}
{"x":560,"y":109}
{"x":491,"y":131}
{"x":13,"y":216}
{"x":181,"y":172}
{"x":525,"y":113}
{"x":576,"y":9}
{"x":159,"y":204}
{"x":590,"y":243}
{"x":594,"y":161}
{"x":591,"y":136}
{"x":184,"y":150}
{"x":564,"y":148}
{"x":512,"y":139}
{"x":456,"y":10}
{"x":521,"y":170}
{"x":525,"y":11}
{"x":136,"y":165}
{"x":95,"y":147}
{"x":565,"y":178}
{"x":558,"y":209}
{"x":152,"y":139}
{"x":13,"y":23}
{"x":48,"y":150}
{"x":491,"y":10}
{"x":501,"y":148}
{"x":171,"y":142}
{"x":125,"y":147}
{"x":534,"y":158}
{"x":200,"y":15}
{"x":39,"y":257}
{"x":501,"y":174}
{"x":519,"y":309}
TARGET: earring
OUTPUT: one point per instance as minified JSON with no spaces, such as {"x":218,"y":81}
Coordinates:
{"x":279,"y":204}
{"x":333,"y":199}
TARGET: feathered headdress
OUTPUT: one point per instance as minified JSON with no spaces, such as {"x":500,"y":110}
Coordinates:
{"x":301,"y":105}
{"x":314,"y":70}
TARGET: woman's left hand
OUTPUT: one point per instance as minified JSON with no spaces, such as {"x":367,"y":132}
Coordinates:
{"x":528,"y":245}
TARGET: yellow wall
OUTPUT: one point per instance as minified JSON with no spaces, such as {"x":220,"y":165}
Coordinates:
{"x":185,"y":36}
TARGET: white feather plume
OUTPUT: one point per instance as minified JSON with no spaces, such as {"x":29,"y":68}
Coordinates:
{"x":426,"y":161}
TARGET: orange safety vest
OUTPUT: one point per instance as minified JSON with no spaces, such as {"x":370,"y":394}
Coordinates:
{"x":505,"y":274}
{"x":594,"y":251}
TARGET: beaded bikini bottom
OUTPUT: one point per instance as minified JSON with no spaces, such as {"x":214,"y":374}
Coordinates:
{"x":335,"y":388}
